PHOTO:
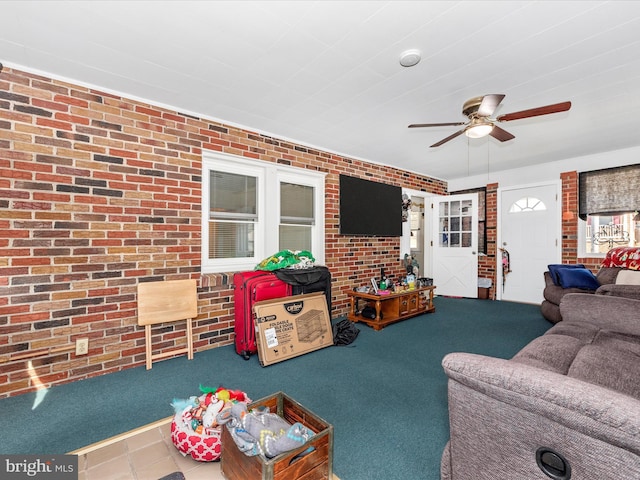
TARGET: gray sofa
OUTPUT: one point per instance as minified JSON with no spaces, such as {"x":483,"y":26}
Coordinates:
{"x":568,"y":403}
{"x":606,"y":276}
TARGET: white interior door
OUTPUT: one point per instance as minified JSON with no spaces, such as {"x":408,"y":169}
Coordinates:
{"x":455,"y":245}
{"x":530,"y":234}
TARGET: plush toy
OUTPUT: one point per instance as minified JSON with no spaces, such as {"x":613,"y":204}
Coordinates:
{"x":209,"y":415}
{"x":180,"y":405}
{"x":230,"y":395}
{"x":225,"y":394}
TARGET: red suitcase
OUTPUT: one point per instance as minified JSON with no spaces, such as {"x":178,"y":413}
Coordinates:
{"x":251,"y":287}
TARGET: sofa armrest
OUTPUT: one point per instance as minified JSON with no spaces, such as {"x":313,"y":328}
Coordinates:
{"x":574,"y":403}
{"x":619,"y":314}
{"x":501,"y":412}
{"x":548,"y":281}
{"x":614,"y":290}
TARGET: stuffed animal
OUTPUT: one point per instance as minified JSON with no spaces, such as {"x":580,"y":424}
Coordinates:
{"x":180,"y":405}
{"x":230,"y":395}
{"x":209,"y":415}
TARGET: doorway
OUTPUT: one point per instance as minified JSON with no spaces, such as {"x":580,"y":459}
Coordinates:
{"x":529,"y":240}
{"x":416,"y":231}
{"x":417,"y":227}
{"x":455,"y":245}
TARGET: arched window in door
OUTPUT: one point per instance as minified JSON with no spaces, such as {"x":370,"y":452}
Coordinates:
{"x":527,"y":204}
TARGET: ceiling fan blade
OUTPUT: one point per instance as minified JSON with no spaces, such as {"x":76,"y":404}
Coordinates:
{"x":450,"y":137}
{"x":500,"y":134}
{"x":489,"y":104}
{"x":420,"y":125}
{"x":535,"y":112}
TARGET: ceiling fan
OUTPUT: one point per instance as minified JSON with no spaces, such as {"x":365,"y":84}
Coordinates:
{"x":480,"y":124}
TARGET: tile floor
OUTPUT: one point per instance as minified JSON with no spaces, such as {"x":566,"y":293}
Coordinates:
{"x":146,"y":453}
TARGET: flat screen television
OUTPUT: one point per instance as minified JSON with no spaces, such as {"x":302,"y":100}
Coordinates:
{"x":369,"y":208}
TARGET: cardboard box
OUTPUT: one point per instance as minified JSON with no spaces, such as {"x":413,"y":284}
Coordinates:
{"x":311,"y":461}
{"x":291,"y":326}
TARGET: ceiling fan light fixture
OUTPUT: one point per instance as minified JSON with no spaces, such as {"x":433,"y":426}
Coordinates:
{"x":479,"y":131}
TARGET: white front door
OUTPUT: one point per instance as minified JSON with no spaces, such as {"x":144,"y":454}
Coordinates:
{"x":529,"y":240}
{"x":455,"y":245}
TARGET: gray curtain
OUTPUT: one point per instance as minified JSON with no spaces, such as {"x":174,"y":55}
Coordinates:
{"x":611,"y":191}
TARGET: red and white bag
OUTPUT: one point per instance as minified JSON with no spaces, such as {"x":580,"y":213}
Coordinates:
{"x":203,"y":447}
{"x":194,"y":430}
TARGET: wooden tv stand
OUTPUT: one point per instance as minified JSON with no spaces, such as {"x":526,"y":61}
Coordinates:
{"x":392,"y":307}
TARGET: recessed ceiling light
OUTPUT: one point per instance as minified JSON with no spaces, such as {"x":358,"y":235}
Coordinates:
{"x":410,"y":58}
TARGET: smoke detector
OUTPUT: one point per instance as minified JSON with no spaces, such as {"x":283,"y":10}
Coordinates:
{"x":410,"y":58}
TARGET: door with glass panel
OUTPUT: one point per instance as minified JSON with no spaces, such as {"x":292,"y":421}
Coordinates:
{"x":455,"y":245}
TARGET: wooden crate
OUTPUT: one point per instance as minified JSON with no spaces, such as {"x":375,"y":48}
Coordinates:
{"x":295,"y":464}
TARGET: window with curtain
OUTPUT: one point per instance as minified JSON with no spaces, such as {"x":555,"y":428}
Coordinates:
{"x":609,"y":200}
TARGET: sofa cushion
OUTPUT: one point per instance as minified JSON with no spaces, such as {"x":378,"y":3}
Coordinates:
{"x":621,"y":290}
{"x":554,"y":353}
{"x":607,"y":275}
{"x":584,"y":331}
{"x":628,"y":277}
{"x":577,"y":278}
{"x":555,"y":293}
{"x":612,"y":313}
{"x":550,"y":311}
{"x":609,"y":368}
{"x":554,"y":267}
{"x":618,"y":341}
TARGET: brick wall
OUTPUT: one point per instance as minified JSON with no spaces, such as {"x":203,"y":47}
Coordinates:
{"x":569,"y":216}
{"x":99,"y":193}
{"x":487,"y":263}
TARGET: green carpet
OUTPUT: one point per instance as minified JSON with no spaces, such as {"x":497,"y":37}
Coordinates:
{"x":385,"y":395}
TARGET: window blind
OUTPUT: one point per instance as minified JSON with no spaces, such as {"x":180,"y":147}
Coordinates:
{"x":611,"y":191}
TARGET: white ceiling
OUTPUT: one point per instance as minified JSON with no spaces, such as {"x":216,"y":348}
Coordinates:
{"x":327,"y":74}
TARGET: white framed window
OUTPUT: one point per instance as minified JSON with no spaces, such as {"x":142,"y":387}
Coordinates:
{"x":599,"y":233}
{"x":253,"y":209}
{"x":455,"y":224}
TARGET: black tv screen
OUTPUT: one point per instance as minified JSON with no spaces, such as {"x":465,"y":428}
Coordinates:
{"x":370,"y":208}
